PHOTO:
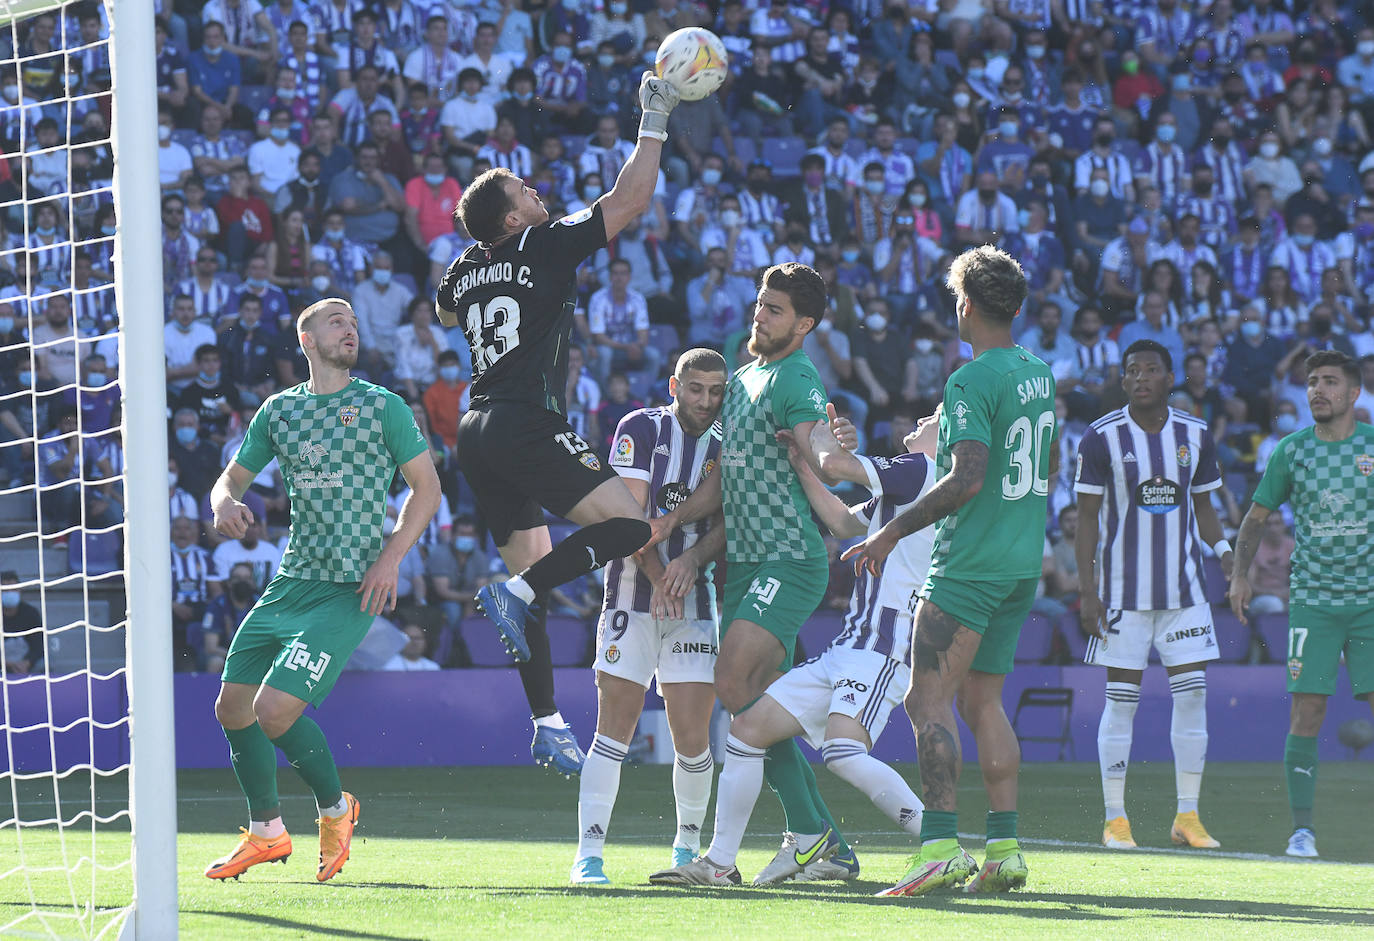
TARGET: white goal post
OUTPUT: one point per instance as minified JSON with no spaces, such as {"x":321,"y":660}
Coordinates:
{"x":82,"y":854}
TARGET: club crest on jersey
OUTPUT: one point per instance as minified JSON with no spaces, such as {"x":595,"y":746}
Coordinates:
{"x":1185,"y":456}
{"x":1365,"y":464}
{"x":612,"y":653}
{"x":590,"y":461}
{"x":1295,"y":668}
{"x":707,"y":468}
{"x":1158,"y":495}
{"x":624,"y":454}
{"x":348,"y":414}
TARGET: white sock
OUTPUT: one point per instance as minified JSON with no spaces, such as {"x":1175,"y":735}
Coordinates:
{"x":267,"y":829}
{"x":1188,"y":734}
{"x":338,"y":810}
{"x":596,"y":791}
{"x":888,"y":791}
{"x":554,"y":721}
{"x":691,"y":791}
{"x":520,"y":589}
{"x":738,"y":790}
{"x":1114,"y":744}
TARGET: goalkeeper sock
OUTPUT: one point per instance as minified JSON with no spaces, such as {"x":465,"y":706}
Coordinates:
{"x":1114,"y":744}
{"x":596,"y":792}
{"x":785,"y":771}
{"x":305,"y":747}
{"x":536,"y":674}
{"x":736,"y":794}
{"x":1300,"y":767}
{"x":585,"y":551}
{"x":691,"y":792}
{"x":255,"y":765}
{"x":880,"y":783}
{"x":813,"y":787}
{"x":1188,"y":735}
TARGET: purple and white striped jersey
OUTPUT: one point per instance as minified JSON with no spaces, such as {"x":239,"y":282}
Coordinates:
{"x":1151,"y":556}
{"x":650,"y":445}
{"x":880,"y":609}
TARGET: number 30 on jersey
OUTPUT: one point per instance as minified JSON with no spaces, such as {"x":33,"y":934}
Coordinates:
{"x":493,"y":330}
{"x":1028,"y":452}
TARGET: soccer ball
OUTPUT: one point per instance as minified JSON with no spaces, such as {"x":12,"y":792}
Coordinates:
{"x":693,"y":60}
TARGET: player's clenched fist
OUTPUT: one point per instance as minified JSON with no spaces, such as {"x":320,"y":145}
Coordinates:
{"x":232,"y":519}
{"x":658,"y":98}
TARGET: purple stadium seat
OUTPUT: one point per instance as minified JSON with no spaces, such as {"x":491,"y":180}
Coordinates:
{"x":1037,"y":634}
{"x":1073,"y":635}
{"x":484,"y":643}
{"x":101,"y":553}
{"x":818,"y":631}
{"x":1216,"y":579}
{"x":1273,"y":630}
{"x":569,"y":642}
{"x":1233,"y":637}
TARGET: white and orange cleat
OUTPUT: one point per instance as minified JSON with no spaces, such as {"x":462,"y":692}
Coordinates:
{"x":251,"y":851}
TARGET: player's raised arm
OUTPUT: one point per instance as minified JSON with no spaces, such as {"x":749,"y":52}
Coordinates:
{"x":634,"y":188}
{"x":831,"y":509}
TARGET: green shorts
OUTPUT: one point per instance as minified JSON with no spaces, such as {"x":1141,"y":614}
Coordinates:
{"x":1318,"y":635}
{"x":777,"y":596}
{"x":298,"y":637}
{"x":996,"y":609}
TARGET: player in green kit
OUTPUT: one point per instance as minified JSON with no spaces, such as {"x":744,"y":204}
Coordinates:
{"x":777,"y":564}
{"x":338,"y":441}
{"x":995,"y":459}
{"x":1325,"y":473}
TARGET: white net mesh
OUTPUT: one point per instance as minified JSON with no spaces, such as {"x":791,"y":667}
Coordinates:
{"x":64,"y":838}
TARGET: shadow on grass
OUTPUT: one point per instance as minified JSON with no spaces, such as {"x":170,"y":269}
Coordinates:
{"x":1054,"y":905}
{"x":306,"y":928}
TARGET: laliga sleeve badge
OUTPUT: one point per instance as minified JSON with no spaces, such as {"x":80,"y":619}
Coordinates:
{"x":624,"y":454}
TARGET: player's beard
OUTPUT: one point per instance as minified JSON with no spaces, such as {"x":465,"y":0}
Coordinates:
{"x":761,"y":345}
{"x":340,"y":358}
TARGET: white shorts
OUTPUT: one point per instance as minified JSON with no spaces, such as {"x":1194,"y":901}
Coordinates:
{"x":1182,"y":635}
{"x":636,"y":646}
{"x":861,"y":684}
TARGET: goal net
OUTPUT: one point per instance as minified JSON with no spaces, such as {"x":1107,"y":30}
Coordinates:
{"x":87,"y":841}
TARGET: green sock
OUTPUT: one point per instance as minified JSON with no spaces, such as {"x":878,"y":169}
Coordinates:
{"x":939,"y":825}
{"x":255,"y":765}
{"x":785,"y":770}
{"x":305,"y":747}
{"x":1300,"y":767}
{"x":1002,"y":834}
{"x":819,"y":803}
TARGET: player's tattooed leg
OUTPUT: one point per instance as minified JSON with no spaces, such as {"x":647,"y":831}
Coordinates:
{"x":937,"y":750}
{"x":934,"y":635}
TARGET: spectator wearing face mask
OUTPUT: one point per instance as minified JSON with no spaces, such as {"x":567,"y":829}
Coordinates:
{"x":209,"y":638}
{"x":23,"y":637}
{"x":447,"y":399}
{"x":880,"y":355}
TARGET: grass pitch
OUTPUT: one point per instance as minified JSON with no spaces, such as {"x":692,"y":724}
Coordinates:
{"x":484,"y":853}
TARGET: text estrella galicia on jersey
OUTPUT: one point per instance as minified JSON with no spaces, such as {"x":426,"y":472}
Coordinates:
{"x":348,"y":414}
{"x":590,"y":461}
{"x":582,"y":215}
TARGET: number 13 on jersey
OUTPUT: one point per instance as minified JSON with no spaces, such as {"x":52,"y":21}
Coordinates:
{"x":493,"y":330}
{"x":1028,"y":455}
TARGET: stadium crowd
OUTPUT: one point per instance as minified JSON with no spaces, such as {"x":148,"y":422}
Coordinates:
{"x":1197,"y":174}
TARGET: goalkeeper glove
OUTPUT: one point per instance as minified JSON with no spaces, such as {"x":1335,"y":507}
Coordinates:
{"x":658,"y":98}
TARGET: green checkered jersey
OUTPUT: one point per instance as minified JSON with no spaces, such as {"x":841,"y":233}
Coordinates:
{"x":767,"y":517}
{"x":1005,"y":400}
{"x":338,"y":454}
{"x":1330,"y":486}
